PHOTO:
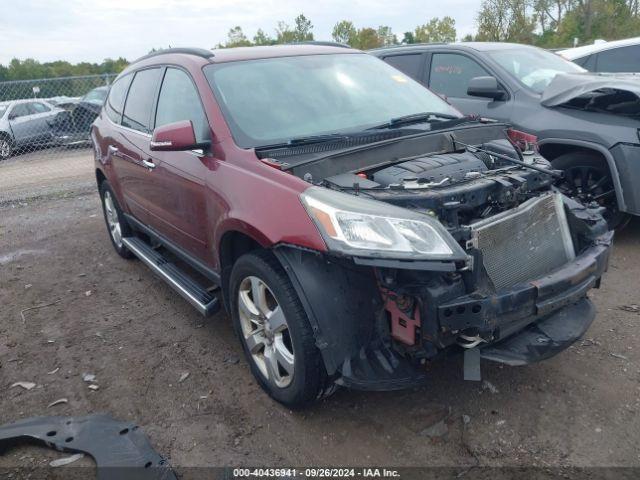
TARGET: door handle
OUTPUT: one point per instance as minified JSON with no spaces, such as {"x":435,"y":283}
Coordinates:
{"x":149,"y":164}
{"x":112,"y":150}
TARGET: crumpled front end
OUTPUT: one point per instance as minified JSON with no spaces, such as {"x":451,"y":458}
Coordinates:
{"x":521,"y":297}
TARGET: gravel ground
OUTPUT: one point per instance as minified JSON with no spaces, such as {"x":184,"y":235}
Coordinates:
{"x":115,"y":319}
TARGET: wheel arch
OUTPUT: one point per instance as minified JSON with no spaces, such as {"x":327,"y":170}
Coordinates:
{"x":552,"y":148}
{"x":232,"y":245}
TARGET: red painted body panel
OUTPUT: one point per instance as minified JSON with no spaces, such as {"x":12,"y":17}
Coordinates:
{"x":194,"y":200}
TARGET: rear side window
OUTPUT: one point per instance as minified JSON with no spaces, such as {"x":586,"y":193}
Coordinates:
{"x":407,"y":64}
{"x":137,"y":110}
{"x":179,"y":100}
{"x":20,"y":110}
{"x":117,"y":95}
{"x":623,"y":59}
{"x":451,"y":72}
{"x":589,"y":59}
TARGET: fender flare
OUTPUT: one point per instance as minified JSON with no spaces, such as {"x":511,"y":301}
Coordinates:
{"x":617,"y":185}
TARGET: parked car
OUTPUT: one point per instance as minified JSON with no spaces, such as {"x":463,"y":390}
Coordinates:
{"x":74,"y":127}
{"x":64,"y":102}
{"x":353,"y":224}
{"x":587,"y":125}
{"x":25,"y":123}
{"x":617,"y":56}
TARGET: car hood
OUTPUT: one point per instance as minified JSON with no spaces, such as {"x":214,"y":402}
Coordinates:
{"x":569,"y":86}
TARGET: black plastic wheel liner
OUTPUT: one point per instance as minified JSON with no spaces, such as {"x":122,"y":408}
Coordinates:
{"x":120,"y":449}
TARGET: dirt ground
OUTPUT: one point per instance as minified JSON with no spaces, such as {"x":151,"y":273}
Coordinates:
{"x":115,"y":319}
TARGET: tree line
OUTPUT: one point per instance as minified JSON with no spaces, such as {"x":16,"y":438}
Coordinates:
{"x":31,"y":69}
{"x":545,"y":23}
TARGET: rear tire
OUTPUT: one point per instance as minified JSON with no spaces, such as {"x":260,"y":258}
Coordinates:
{"x":271,"y":323}
{"x":6,"y":147}
{"x":115,"y":220}
{"x":588,"y":178}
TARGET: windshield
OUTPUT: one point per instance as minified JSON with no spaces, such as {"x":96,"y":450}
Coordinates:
{"x":3,"y":109}
{"x":270,"y":101}
{"x":97,"y":96}
{"x":532,"y":67}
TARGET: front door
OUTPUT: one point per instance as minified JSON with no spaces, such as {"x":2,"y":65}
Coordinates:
{"x":177,"y":196}
{"x":449,"y":75}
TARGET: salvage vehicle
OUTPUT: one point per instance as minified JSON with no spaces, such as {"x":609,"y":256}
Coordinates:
{"x":25,"y":124}
{"x":585,"y":124}
{"x":355,"y":226}
{"x":74,"y":126}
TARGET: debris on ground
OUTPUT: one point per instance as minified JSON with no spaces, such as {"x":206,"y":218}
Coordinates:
{"x":487,"y":385}
{"x":55,"y":370}
{"x":88,"y":377}
{"x":183,"y":377}
{"x":617,"y":355}
{"x":232,"y":360}
{"x":466,"y":419}
{"x":25,"y":385}
{"x":36,"y":307}
{"x":88,"y":293}
{"x":630,"y":308}
{"x":58,"y":402}
{"x":61,"y":462}
{"x":94,"y":387}
{"x":437,"y":430}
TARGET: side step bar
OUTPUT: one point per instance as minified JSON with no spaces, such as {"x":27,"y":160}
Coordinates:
{"x":205,"y":302}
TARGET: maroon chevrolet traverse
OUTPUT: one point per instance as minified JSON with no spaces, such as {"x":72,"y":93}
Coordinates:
{"x":355,"y":226}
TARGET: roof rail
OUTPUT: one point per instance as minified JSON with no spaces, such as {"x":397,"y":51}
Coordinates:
{"x":198,"y":52}
{"x":322,"y":43}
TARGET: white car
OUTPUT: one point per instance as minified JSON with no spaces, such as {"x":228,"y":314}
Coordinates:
{"x":602,"y":56}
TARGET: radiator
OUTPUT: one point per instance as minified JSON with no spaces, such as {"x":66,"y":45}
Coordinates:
{"x":524,"y":243}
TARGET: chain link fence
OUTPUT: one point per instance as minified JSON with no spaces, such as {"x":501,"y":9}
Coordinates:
{"x":44,"y":136}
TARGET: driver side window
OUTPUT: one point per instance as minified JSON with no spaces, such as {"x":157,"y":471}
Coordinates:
{"x":450,"y":74}
{"x":179,"y":100}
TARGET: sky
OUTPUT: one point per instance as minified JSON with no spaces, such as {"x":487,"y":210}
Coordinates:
{"x":77,"y":30}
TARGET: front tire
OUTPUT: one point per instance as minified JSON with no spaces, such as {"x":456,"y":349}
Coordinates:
{"x":275,"y":332}
{"x":588,"y":178}
{"x":115,"y":220}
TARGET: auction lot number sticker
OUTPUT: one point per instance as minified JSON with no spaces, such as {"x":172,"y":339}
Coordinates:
{"x":309,"y":473}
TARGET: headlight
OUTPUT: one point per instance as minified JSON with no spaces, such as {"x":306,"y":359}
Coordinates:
{"x":364,"y":227}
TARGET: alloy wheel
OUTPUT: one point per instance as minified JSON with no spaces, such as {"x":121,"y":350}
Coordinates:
{"x":265,"y":331}
{"x":113,"y":222}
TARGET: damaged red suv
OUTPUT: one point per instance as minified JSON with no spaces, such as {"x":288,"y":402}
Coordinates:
{"x":353,"y":224}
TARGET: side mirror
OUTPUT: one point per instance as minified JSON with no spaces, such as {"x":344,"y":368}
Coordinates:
{"x":174,"y":137}
{"x":486,"y":87}
{"x":12,"y":116}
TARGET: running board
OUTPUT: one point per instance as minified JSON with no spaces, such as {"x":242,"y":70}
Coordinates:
{"x":205,"y":302}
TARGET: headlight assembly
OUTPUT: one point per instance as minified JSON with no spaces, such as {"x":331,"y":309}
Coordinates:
{"x":369,"y":228}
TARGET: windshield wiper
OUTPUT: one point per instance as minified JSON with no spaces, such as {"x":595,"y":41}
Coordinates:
{"x":414,"y":118}
{"x":331,"y":137}
{"x":310,"y":140}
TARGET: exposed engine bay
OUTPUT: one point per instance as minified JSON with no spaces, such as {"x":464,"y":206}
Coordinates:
{"x":528,"y":256}
{"x":458,"y":187}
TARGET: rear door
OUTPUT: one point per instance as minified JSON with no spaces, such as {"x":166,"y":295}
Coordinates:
{"x":19,"y":120}
{"x":621,"y":59}
{"x":177,"y":195}
{"x":129,"y":145}
{"x":449,"y":74}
